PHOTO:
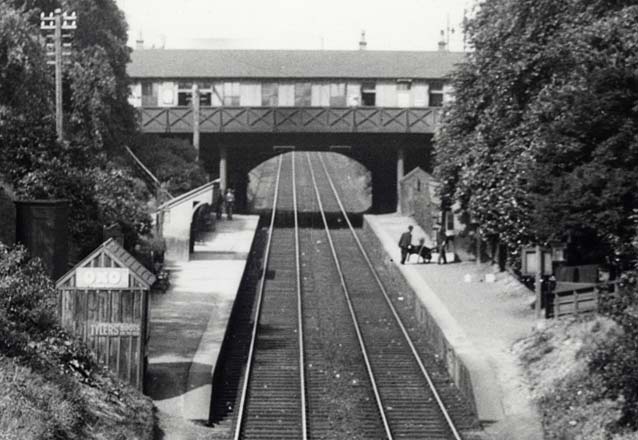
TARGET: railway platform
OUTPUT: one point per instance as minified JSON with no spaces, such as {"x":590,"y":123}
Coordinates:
{"x":477,"y":322}
{"x":188,"y":321}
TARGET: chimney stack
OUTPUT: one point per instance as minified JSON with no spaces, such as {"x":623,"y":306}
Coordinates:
{"x":139,"y":43}
{"x":442,"y":42}
{"x":362,"y":43}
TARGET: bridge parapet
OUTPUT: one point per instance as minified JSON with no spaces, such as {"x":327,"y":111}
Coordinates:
{"x":290,"y":119}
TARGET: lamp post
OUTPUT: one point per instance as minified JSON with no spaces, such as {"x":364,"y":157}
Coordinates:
{"x":58,"y":26}
{"x":538,"y":261}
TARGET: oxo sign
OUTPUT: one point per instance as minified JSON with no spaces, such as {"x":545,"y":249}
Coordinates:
{"x":102,"y":278}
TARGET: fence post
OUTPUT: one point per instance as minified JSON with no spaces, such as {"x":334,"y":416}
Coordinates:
{"x":539,"y":282}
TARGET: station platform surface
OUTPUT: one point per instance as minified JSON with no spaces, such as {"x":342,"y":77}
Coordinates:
{"x":481,"y":321}
{"x":188,"y":321}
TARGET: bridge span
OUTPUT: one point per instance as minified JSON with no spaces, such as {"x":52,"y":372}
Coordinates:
{"x":241,"y":107}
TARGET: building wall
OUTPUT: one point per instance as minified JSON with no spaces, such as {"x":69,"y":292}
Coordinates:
{"x":417,"y":200}
{"x":175,"y":223}
{"x":302,"y":93}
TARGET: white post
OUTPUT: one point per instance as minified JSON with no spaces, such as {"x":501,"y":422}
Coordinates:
{"x":223,"y":168}
{"x":195,"y":104}
{"x":539,"y":276}
{"x":400,"y":174}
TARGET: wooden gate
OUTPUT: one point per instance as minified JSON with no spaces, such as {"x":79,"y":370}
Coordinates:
{"x":104,"y":300}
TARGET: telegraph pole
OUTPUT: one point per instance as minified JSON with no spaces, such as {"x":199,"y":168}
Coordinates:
{"x":195,"y":104}
{"x":58,"y":26}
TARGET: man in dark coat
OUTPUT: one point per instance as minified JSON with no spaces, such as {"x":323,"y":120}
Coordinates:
{"x":229,"y":198}
{"x":404,"y":243}
{"x":219,"y":205}
{"x":441,"y":242}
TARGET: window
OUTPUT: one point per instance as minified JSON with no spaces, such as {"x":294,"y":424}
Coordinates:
{"x":338,"y":95}
{"x":436,"y":93}
{"x":205,"y":94}
{"x":418,"y":185}
{"x":286,"y":95}
{"x":368,"y":94}
{"x":205,"y":98}
{"x":403,"y":86}
{"x":149,"y":94}
{"x":231,"y":94}
{"x":403,"y":92}
{"x":303,"y":94}
{"x":185,"y":94}
{"x":269,"y":94}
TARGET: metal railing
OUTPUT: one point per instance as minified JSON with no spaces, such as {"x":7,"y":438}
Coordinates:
{"x":290,"y":119}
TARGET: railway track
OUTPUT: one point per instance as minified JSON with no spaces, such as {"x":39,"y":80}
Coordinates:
{"x":272,"y":403}
{"x":329,"y":357}
{"x":408,"y":402}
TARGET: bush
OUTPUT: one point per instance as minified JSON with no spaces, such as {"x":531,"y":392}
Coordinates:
{"x":172,"y":161}
{"x":617,"y":362}
{"x":53,"y":387}
{"x":28,"y":319}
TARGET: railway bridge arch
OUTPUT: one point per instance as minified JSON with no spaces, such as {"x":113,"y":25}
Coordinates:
{"x":385,"y":158}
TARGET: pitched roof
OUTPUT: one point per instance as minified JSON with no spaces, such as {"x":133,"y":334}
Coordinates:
{"x":415,"y":171}
{"x":119,"y":254}
{"x":187,"y":196}
{"x":179,"y":63}
{"x":116,"y":250}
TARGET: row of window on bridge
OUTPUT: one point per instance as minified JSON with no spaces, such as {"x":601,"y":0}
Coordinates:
{"x":399,"y":93}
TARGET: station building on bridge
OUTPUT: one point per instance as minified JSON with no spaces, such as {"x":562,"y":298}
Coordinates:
{"x":379,"y":107}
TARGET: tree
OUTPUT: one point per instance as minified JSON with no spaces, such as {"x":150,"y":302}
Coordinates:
{"x":541,"y":141}
{"x":172,"y":161}
{"x":26,"y":122}
{"x":98,"y":119}
{"x":97,"y":112}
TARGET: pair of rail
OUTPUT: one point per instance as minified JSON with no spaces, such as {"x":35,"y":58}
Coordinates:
{"x":388,"y":431}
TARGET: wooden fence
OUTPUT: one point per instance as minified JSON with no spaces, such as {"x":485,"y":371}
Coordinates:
{"x":579,"y":298}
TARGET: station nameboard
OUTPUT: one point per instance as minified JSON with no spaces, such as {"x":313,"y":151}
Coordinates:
{"x":102,"y":278}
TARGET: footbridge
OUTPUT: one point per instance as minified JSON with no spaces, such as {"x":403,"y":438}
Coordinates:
{"x":242,"y":107}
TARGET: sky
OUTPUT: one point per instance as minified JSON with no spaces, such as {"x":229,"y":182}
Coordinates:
{"x":295,"y":24}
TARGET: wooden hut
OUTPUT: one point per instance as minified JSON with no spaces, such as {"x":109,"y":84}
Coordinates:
{"x":104,"y":300}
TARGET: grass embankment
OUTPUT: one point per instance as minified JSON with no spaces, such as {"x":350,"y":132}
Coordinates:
{"x":52,"y":387}
{"x":583,"y":375}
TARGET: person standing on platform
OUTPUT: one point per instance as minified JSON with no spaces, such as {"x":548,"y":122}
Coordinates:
{"x":219,"y":206}
{"x":404,"y":243}
{"x":441,"y":241}
{"x":230,"y":202}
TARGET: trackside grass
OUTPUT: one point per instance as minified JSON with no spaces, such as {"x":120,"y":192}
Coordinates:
{"x":572,"y":393}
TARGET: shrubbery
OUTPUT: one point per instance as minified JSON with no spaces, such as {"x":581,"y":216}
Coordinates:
{"x":52,"y":384}
{"x":617,"y":362}
{"x":172,"y":161}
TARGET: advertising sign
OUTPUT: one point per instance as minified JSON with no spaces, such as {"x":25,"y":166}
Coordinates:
{"x":113,"y":329}
{"x":102,"y":278}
